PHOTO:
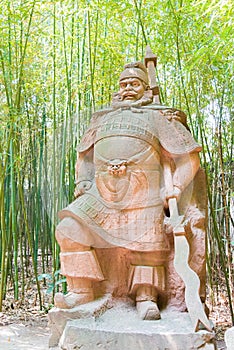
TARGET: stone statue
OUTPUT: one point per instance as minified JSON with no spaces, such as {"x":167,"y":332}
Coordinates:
{"x":116,"y":237}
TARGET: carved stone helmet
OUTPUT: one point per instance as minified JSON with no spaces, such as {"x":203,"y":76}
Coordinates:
{"x":135,"y":70}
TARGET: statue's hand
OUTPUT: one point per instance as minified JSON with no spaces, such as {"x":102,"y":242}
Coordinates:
{"x":82,"y":187}
{"x":166,"y":195}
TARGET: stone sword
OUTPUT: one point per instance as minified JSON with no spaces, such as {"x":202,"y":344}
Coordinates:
{"x":190,"y":278}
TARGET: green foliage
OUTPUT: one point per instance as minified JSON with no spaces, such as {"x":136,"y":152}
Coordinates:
{"x":60,"y":60}
{"x":48,"y":277}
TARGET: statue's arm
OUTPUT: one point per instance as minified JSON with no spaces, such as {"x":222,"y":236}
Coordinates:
{"x":184,"y":169}
{"x":84,"y":172}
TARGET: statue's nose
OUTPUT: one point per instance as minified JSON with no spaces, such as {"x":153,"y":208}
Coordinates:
{"x":129,"y":87}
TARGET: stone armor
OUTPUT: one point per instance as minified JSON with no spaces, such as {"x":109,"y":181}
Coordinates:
{"x":124,"y":205}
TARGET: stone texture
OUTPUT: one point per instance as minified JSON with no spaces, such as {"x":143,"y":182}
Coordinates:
{"x":229,"y":338}
{"x":120,"y":328}
{"x":59,"y":317}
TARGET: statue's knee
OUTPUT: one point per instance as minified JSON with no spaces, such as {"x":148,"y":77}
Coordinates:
{"x":68,"y":245}
{"x":65,"y":237}
{"x":59,"y":236}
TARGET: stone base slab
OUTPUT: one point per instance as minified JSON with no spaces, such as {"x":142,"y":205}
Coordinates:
{"x":58,"y":318}
{"x":229,"y":338}
{"x":120,"y":328}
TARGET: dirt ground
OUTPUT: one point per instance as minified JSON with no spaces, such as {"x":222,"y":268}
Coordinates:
{"x":22,"y":337}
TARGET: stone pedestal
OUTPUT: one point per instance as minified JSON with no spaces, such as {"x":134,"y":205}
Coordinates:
{"x":229,"y":338}
{"x":58,"y":318}
{"x":120,"y":328}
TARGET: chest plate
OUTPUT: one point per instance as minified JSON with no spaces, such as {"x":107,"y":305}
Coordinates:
{"x":127,"y":171}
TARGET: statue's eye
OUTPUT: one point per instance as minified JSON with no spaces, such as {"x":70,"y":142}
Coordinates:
{"x":123,"y":85}
{"x":135,"y":83}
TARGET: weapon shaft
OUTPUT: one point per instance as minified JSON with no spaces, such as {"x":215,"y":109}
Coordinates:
{"x":150,"y":63}
{"x":151,"y":73}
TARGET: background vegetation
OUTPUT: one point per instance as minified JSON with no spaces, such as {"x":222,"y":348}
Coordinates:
{"x":59,"y":61}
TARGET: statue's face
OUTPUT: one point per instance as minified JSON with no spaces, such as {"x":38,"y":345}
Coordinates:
{"x":131,"y":89}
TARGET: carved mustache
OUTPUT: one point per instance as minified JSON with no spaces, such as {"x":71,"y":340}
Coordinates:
{"x":129,"y":93}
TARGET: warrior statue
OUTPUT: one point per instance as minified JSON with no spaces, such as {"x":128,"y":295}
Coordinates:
{"x":116,"y":237}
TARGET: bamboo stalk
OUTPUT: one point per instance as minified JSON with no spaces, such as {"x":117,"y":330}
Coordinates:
{"x":54,"y":173}
{"x":3,"y":229}
{"x":13,"y":217}
{"x":92,"y":104}
{"x":31,"y":246}
{"x":20,"y":77}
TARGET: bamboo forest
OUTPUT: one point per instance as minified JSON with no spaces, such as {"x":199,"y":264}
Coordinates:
{"x":59,"y":62}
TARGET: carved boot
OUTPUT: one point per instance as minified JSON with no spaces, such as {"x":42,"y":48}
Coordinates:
{"x":144,"y":283}
{"x":146,"y":304}
{"x":81,"y":269}
{"x":80,"y":292}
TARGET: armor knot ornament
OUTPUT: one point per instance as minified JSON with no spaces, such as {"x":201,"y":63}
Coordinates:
{"x":117,"y":167}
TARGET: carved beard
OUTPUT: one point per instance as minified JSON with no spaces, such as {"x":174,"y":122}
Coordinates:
{"x":118,"y":102}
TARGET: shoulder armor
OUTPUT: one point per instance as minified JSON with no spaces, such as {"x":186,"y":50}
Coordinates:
{"x":89,"y":136}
